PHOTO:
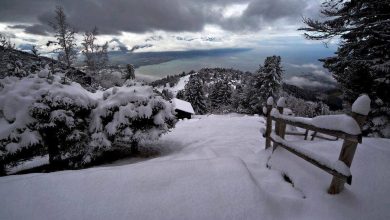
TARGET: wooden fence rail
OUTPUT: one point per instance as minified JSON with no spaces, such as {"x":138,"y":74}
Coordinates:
{"x":360,"y":109}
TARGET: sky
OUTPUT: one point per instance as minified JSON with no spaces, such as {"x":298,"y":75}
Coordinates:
{"x":137,"y":26}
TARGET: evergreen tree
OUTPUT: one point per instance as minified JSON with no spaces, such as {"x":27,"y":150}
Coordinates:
{"x":266,"y":83}
{"x":181,"y":94}
{"x":5,"y":42}
{"x":220,"y":96}
{"x":194,"y":94}
{"x":130,"y":74}
{"x":362,"y":61}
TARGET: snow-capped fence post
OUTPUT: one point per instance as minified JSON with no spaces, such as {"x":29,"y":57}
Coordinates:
{"x":360,"y":109}
{"x":280,"y":126}
{"x":268,"y":131}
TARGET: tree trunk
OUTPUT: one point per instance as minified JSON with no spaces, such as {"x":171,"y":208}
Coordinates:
{"x":2,"y":168}
{"x":51,"y":141}
{"x":134,"y":148}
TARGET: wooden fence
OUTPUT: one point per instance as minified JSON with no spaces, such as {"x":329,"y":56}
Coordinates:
{"x":341,"y":173}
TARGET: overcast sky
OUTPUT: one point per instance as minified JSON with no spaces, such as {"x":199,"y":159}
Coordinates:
{"x":162,"y":25}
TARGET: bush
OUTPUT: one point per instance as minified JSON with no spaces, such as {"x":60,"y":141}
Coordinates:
{"x":62,"y":119}
{"x":49,"y":116}
{"x":127,"y":116}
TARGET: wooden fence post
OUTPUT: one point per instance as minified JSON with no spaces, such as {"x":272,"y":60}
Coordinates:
{"x":306,"y":133}
{"x":313,"y":136}
{"x":282,"y":126}
{"x":268,"y":130}
{"x":360,"y":109}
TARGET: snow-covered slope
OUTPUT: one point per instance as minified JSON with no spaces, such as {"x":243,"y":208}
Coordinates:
{"x":177,"y":87}
{"x":212,"y":167}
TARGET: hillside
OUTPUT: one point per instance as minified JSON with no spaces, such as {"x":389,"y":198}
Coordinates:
{"x":19,"y":63}
{"x":210,"y":167}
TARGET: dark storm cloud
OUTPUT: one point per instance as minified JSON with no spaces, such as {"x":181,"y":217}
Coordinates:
{"x":140,"y":16}
{"x":262,"y":13}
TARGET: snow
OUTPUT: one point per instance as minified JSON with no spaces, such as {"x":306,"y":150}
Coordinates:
{"x":44,"y":73}
{"x":264,"y":110}
{"x":34,"y":162}
{"x":183,"y":105}
{"x":337,"y":165}
{"x":281,"y":102}
{"x":270,"y":101}
{"x":180,"y":85}
{"x":340,"y":122}
{"x":210,"y":167}
{"x":18,"y":95}
{"x":362,"y":105}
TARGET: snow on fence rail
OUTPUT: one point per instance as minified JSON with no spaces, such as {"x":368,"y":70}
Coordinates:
{"x":345,"y":127}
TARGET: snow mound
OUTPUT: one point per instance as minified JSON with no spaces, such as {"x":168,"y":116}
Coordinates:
{"x":362,"y":105}
{"x":340,"y":122}
{"x":270,"y":101}
{"x":281,"y":102}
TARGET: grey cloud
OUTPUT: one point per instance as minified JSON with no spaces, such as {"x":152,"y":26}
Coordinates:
{"x":261,"y":13}
{"x":136,"y":16}
{"x":304,"y":82}
{"x":38,"y":29}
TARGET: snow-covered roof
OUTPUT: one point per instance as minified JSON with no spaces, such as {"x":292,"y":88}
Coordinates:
{"x":183,"y":105}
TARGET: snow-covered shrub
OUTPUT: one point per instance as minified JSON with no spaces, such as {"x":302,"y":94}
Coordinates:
{"x":62,"y":119}
{"x":34,"y":110}
{"x":126,"y":116}
{"x":18,"y":139}
{"x":108,"y":78}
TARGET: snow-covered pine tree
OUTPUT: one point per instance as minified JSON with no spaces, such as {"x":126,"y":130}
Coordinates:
{"x":130,"y":72}
{"x":239,"y":99}
{"x":181,"y":94}
{"x":362,"y":61}
{"x":220,"y":96}
{"x":5,"y":42}
{"x":167,"y":94}
{"x":62,"y":117}
{"x":127,"y":116}
{"x":195,"y":95}
{"x":266,"y":83}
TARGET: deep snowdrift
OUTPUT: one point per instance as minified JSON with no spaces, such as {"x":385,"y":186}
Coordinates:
{"x":215,"y":167}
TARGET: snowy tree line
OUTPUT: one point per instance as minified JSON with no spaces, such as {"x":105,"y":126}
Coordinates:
{"x":218,"y":90}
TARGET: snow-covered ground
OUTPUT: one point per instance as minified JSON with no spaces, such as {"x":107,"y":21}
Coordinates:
{"x":212,"y":167}
{"x":180,"y":85}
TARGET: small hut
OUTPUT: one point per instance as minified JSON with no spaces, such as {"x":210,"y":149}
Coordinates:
{"x":183,"y":109}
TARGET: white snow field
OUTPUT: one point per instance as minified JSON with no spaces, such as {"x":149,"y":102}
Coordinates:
{"x":212,"y":167}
